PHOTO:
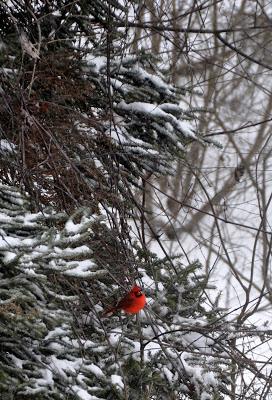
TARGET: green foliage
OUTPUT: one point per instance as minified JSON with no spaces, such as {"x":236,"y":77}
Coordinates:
{"x":31,"y":309}
{"x":84,"y":126}
{"x":54,"y":342}
{"x":92,"y":115}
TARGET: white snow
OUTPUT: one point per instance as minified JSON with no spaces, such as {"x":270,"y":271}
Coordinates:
{"x":209,"y":379}
{"x":17,"y":361}
{"x":150,"y":350}
{"x":9,"y":242}
{"x":71,"y":227}
{"x":119,"y":85}
{"x":6,"y":146}
{"x":40,"y":249}
{"x":31,"y":219}
{"x":72,"y":251}
{"x":58,"y":331}
{"x":117,"y":380}
{"x":197,"y":372}
{"x":98,"y":63}
{"x":171,"y":108}
{"x":114,"y":336}
{"x":155,"y":79}
{"x":168,"y":374}
{"x":9,"y":257}
{"x":186,"y":128}
{"x":9,"y":71}
{"x":148,"y":282}
{"x":5,"y":218}
{"x":83,"y":394}
{"x":94,"y":369}
{"x":145,"y":108}
{"x":30,"y":272}
{"x":155,"y":111}
{"x":64,"y":366}
{"x":81,"y":268}
{"x":47,"y":378}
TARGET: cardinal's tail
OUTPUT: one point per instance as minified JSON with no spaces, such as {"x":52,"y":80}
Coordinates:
{"x":109,"y":312}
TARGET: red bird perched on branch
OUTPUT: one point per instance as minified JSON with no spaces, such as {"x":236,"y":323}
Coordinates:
{"x":131,"y":303}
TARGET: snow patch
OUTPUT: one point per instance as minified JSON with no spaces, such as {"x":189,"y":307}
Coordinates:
{"x":94,"y":369}
{"x":83,"y":394}
{"x":6,"y":146}
{"x":117,"y":380}
{"x":115,"y":336}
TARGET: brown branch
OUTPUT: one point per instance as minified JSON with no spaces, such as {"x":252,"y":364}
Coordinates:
{"x":202,"y":211}
{"x":237,"y":130}
{"x":240,"y":52}
{"x":163,"y":28}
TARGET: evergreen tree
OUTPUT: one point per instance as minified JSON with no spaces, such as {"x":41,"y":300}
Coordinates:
{"x":83,"y":115}
{"x":81,"y":123}
{"x":54,"y":342}
{"x":39,"y":358}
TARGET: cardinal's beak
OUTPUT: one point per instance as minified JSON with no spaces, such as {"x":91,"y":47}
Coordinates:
{"x":139,"y":294}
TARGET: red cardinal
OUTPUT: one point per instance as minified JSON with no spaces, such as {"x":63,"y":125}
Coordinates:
{"x":131,"y":303}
